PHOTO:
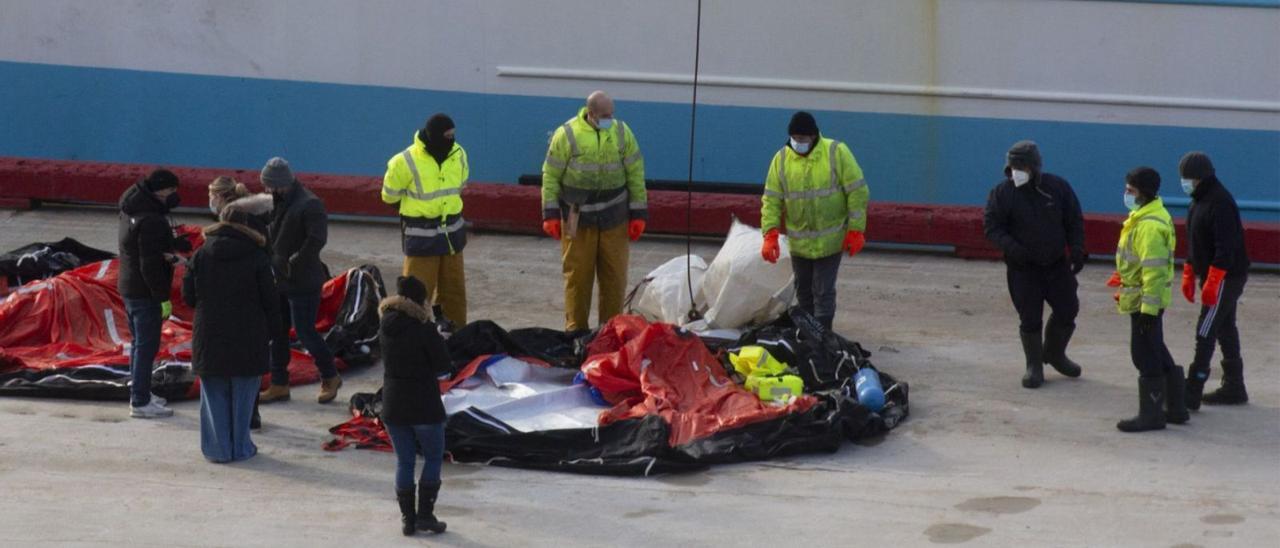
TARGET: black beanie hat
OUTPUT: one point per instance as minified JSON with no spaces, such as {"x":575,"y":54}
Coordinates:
{"x":160,"y":179}
{"x":802,"y":123}
{"x":411,"y":288}
{"x":1196,"y":165}
{"x":436,"y":125}
{"x":1023,"y":154}
{"x":1146,"y":180}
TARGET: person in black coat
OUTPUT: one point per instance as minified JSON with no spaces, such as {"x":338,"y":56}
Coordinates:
{"x":147,"y":251}
{"x":1034,"y":218}
{"x":230,"y":285}
{"x":1218,"y":259}
{"x":299,"y":230}
{"x":413,"y":356}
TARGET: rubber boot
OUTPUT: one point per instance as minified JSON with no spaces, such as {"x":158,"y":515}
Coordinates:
{"x":1056,"y":338}
{"x":1195,"y":389}
{"x":1033,"y":348}
{"x":1175,"y":394}
{"x":407,"y":516}
{"x":255,"y":420}
{"x":427,"y":493}
{"x":1150,"y":407}
{"x":1232,"y":391}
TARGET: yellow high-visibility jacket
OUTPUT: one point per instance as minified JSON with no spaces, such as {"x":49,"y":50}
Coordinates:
{"x":1144,"y":259}
{"x":823,"y":195}
{"x":600,"y":171}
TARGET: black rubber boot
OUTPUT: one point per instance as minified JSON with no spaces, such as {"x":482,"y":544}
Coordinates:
{"x":1150,"y":407}
{"x":407,"y":516}
{"x":1056,"y":338}
{"x":1195,"y":389}
{"x":1033,"y":348}
{"x":1175,"y":394}
{"x":255,"y":421}
{"x":1232,"y":391}
{"x":427,"y":493}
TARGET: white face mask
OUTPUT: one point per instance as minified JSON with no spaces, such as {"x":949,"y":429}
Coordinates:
{"x":1020,"y":177}
{"x":1188,"y":186}
{"x":604,"y":123}
{"x":1130,"y":201}
{"x":800,"y":148}
{"x":213,"y":208}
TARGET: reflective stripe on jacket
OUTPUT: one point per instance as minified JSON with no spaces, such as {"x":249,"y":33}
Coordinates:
{"x":823,"y":195}
{"x":429,"y":195}
{"x":1144,"y":259}
{"x":599,"y":171}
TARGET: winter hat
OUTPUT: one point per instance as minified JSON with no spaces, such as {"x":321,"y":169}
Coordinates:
{"x":1024,"y":154}
{"x":276,"y":174}
{"x":436,"y":125}
{"x":410,"y":288}
{"x":160,"y":179}
{"x":802,"y":123}
{"x":1146,"y":180}
{"x":1196,"y":165}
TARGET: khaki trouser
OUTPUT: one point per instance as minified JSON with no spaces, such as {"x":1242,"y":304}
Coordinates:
{"x":593,"y":253}
{"x":446,"y":282}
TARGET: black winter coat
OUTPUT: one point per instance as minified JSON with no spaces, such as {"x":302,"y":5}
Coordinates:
{"x":230,"y":284}
{"x":299,"y":230}
{"x":1215,"y":235}
{"x":144,"y":236}
{"x":413,"y":355}
{"x":1034,"y":224}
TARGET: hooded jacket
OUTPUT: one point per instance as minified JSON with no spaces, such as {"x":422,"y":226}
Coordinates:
{"x":1033,"y":225}
{"x":299,"y":230}
{"x":230,"y":285}
{"x":1215,"y":235}
{"x":413,"y":356}
{"x":144,"y":236}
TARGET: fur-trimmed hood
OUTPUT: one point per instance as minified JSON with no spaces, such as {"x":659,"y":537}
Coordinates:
{"x":404,"y":306}
{"x":257,"y":237}
{"x":254,"y":204}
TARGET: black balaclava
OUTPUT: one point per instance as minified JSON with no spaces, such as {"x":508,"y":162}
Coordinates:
{"x":432,"y":135}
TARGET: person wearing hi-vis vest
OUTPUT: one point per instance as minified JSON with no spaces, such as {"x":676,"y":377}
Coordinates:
{"x":1144,"y":274}
{"x":425,"y":183}
{"x":593,"y":201}
{"x":816,"y":184}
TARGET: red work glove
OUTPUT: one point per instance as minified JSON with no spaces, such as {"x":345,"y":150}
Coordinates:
{"x":770,"y":250}
{"x":1114,"y":280}
{"x":1188,"y":282}
{"x":552,"y":228}
{"x":1212,"y":286}
{"x":853,"y":242}
{"x":635,"y":229}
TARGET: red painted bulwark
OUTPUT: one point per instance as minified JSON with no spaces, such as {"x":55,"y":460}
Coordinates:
{"x":518,"y":209}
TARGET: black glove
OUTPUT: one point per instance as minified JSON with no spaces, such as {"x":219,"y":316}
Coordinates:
{"x":1146,"y":323}
{"x":181,"y":244}
{"x":1078,"y":257}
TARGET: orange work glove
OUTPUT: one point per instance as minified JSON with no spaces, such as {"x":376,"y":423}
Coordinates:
{"x":1114,"y":280}
{"x":1188,"y":282}
{"x":1212,"y":286}
{"x":770,"y":250}
{"x":635,"y":229}
{"x":552,"y":228}
{"x":853,"y":242}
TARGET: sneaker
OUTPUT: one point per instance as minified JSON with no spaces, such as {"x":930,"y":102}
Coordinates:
{"x":151,"y":410}
{"x":159,"y":400}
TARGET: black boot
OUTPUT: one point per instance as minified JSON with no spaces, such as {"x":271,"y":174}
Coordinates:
{"x":1195,"y":389}
{"x":1175,"y":394}
{"x":1033,"y":348}
{"x":1150,"y":407}
{"x":427,"y":493}
{"x":1232,"y":391}
{"x":407,"y":517}
{"x":255,"y":421}
{"x":1056,"y":338}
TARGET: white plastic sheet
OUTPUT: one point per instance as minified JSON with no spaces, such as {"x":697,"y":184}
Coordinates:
{"x":741,"y":289}
{"x":663,"y":295}
{"x":530,"y":398}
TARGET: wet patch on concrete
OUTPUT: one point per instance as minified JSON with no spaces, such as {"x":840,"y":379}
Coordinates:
{"x":107,"y":418}
{"x":20,"y":410}
{"x":954,"y":533}
{"x":999,"y":505}
{"x":1222,"y":519}
{"x":641,"y":513}
{"x":452,"y":511}
{"x":686,"y":480}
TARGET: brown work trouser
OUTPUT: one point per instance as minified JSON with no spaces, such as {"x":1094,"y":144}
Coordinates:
{"x":593,"y":253}
{"x":446,"y":282}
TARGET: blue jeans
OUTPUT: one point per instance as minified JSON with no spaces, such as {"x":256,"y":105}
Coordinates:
{"x":144,"y":325}
{"x":816,"y":286}
{"x":406,"y":439}
{"x":299,"y":311}
{"x":226,"y":406}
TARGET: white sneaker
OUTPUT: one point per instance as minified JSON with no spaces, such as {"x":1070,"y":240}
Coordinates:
{"x":151,"y":410}
{"x":159,"y":400}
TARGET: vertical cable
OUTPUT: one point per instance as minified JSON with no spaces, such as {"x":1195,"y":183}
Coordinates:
{"x":693,"y":125}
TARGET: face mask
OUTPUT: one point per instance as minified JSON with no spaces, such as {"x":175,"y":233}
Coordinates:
{"x":1188,"y":186}
{"x":800,"y":148}
{"x":1130,"y":201}
{"x":213,"y":208}
{"x":171,"y":201}
{"x":1020,"y":177}
{"x":604,"y":123}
